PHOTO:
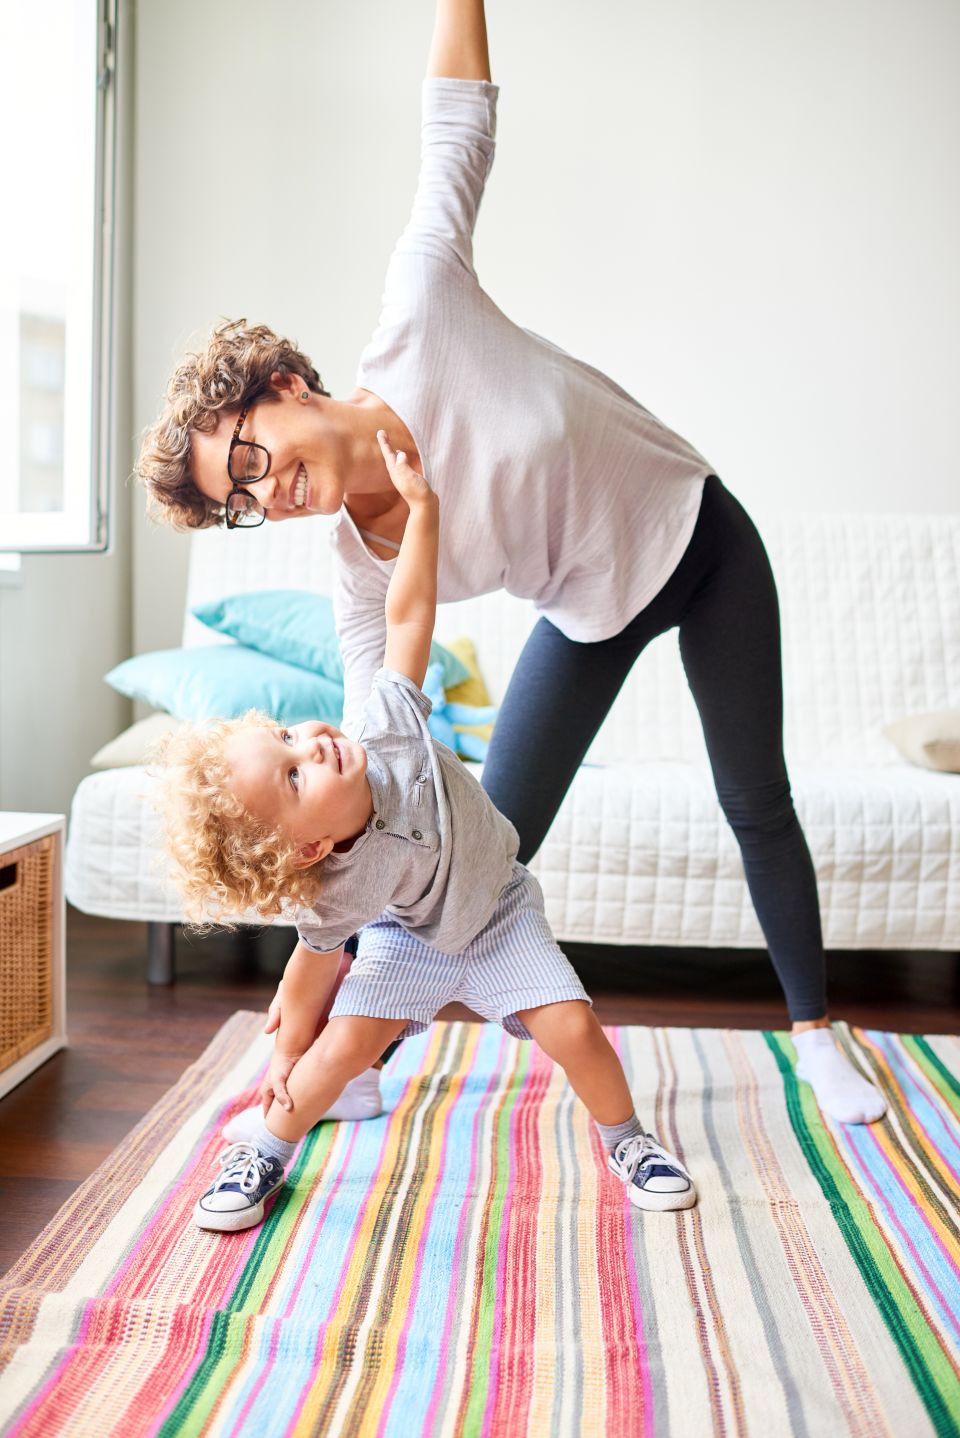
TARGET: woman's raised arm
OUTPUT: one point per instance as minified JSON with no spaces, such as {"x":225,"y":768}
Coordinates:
{"x":458,"y":50}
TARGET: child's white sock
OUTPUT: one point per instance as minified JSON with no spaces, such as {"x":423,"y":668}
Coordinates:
{"x":840,"y":1091}
{"x":359,"y":1100}
{"x":271,"y":1146}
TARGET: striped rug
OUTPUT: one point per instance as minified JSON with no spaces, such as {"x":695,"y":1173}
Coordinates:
{"x":467,"y":1265}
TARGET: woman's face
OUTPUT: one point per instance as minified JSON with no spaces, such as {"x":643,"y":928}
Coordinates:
{"x":303,"y":476}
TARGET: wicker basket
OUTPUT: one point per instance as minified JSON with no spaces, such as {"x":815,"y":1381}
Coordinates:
{"x":26,"y":948}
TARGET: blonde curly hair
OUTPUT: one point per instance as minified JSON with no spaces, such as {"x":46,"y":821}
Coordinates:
{"x":233,"y":371}
{"x":224,"y":861}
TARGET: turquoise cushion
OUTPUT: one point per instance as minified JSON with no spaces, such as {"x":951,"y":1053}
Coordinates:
{"x":223,"y":681}
{"x":297,"y":627}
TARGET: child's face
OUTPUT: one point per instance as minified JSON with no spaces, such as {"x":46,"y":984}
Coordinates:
{"x":307,"y":780}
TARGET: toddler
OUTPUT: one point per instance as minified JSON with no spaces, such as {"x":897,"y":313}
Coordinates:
{"x":382,"y":831}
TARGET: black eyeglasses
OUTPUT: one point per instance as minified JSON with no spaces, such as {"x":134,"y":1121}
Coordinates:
{"x":246,"y":463}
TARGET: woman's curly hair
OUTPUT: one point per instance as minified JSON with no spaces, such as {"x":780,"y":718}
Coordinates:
{"x":224,"y":861}
{"x":233,"y":371}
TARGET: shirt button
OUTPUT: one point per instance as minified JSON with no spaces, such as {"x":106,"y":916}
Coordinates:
{"x":381,"y":824}
{"x":417,"y":834}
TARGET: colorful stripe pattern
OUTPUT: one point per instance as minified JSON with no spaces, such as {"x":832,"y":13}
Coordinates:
{"x":466,"y":1264}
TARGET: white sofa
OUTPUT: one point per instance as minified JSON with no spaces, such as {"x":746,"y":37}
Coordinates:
{"x":640,"y":852}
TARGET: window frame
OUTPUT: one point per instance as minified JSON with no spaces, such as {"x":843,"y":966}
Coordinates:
{"x":32,"y":532}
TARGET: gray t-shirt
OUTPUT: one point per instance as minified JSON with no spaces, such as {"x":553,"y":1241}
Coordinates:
{"x":554,"y":483}
{"x":435,"y":855}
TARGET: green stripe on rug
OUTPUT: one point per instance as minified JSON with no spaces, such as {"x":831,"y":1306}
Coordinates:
{"x":260,"y":1269}
{"x":224,"y":1345}
{"x":483,"y":1339}
{"x":932,"y":1374}
{"x":228,"y":1327}
{"x":942,"y":1079}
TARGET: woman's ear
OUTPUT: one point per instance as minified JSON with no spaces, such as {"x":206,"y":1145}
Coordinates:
{"x":279,"y":380}
{"x":312,"y":853}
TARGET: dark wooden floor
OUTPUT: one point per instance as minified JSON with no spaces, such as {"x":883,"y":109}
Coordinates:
{"x":129,"y":1043}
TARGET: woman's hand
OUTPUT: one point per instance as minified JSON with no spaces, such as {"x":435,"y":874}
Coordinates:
{"x":410,"y":485}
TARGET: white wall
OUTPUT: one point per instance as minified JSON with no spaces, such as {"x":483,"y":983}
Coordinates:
{"x":747,"y":212}
{"x":61,"y":629}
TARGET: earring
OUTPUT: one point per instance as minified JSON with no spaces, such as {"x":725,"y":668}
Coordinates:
{"x":305,"y":394}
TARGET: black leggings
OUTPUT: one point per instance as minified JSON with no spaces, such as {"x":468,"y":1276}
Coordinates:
{"x":723,"y":600}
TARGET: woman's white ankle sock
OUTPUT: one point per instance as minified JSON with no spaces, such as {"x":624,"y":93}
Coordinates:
{"x":841,"y":1092}
{"x":360,"y":1099}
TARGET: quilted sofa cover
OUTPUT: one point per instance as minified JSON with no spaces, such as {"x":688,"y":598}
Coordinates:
{"x":640,"y":852}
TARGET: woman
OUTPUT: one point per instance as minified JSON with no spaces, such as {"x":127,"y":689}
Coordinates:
{"x":556,"y":485}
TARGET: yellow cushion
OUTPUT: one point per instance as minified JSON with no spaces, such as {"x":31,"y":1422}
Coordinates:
{"x":474,"y":689}
{"x":470,"y":691}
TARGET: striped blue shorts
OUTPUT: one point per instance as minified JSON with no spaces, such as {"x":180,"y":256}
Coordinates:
{"x":514,"y":963}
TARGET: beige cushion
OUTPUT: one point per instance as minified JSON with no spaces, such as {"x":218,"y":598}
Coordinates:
{"x":932,"y":740}
{"x":131,"y":746}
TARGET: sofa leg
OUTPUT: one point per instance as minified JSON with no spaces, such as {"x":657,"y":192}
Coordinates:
{"x":160,"y":961}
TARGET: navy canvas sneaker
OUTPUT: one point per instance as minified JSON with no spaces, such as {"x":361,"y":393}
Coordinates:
{"x":655,"y":1179}
{"x":235,"y":1200}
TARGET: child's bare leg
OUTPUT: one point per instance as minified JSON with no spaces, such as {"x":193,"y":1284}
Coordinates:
{"x":346,"y":1047}
{"x":252,"y":1168}
{"x":570,"y":1034}
{"x":359,"y":1099}
{"x":346,"y":963}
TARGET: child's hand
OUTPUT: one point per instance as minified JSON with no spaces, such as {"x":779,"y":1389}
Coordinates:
{"x":406,"y":481}
{"x":274,"y":1086}
{"x":273,"y":1012}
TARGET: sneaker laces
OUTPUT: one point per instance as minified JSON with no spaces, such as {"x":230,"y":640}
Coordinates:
{"x":643,"y":1147}
{"x":242,"y":1163}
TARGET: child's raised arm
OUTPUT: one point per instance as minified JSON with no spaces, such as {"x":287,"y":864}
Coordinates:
{"x":411,"y":603}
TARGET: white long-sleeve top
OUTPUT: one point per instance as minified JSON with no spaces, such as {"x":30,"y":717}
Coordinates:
{"x":554,"y":483}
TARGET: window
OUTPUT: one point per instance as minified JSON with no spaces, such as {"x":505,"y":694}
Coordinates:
{"x":56,"y":274}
